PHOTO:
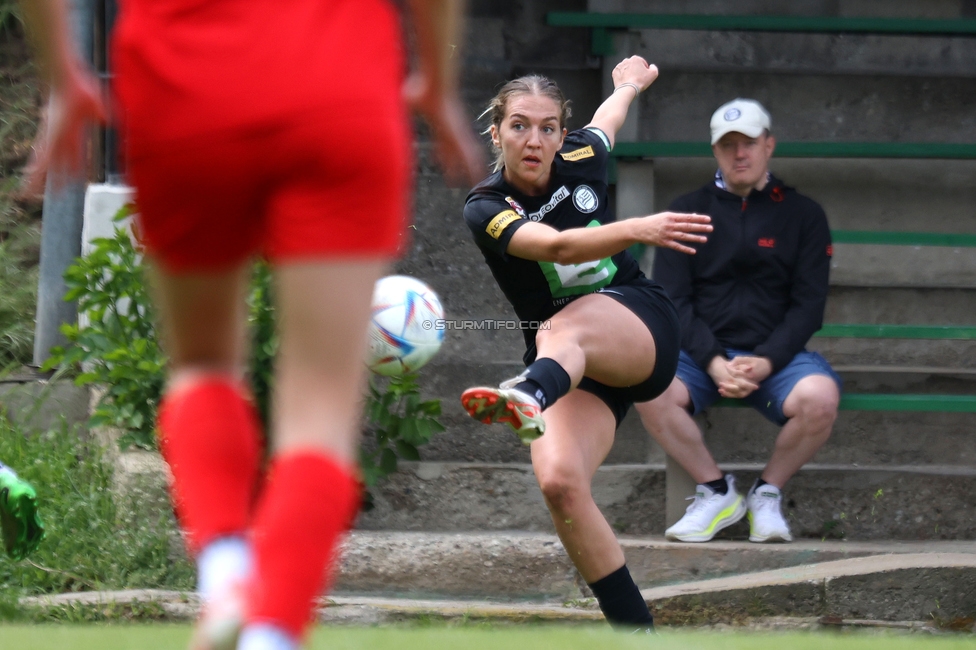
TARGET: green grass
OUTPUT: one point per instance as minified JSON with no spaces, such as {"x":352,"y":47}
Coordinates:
{"x":165,"y":637}
{"x":94,"y":541}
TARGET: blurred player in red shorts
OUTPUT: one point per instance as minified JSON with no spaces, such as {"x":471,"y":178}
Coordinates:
{"x":278,"y":129}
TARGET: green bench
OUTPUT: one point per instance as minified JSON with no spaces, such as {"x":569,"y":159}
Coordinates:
{"x":663,"y":149}
{"x":601,"y":24}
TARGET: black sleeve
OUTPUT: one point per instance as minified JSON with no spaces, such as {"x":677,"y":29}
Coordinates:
{"x":808,"y":295}
{"x":585,"y":154}
{"x":492,"y":222}
{"x":673,"y":271}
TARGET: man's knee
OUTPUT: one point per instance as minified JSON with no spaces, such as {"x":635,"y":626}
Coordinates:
{"x":815,"y":400}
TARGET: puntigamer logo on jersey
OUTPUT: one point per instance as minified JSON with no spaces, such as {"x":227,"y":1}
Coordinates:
{"x":585,"y":199}
{"x":497,"y":225}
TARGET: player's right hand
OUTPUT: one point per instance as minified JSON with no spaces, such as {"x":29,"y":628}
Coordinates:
{"x":674,"y":230}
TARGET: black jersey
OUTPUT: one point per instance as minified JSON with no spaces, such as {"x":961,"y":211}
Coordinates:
{"x":494,"y":210}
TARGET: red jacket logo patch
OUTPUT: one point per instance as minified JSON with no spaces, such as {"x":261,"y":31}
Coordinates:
{"x":767,"y":242}
{"x":830,"y":250}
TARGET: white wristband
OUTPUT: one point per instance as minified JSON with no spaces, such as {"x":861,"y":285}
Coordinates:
{"x":627,"y":83}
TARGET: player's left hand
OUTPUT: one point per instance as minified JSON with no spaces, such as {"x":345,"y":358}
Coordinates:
{"x":755,"y":369}
{"x":73,"y":104}
{"x":459,"y":155}
{"x":635,"y":70}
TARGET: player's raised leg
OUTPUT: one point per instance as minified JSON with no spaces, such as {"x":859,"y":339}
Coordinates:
{"x":312,"y":492}
{"x":594,"y":335}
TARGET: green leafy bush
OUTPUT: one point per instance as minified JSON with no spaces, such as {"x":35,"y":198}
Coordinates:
{"x":400,"y":423}
{"x":118,"y":349}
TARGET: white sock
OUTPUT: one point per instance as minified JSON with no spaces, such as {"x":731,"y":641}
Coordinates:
{"x":221,"y":563}
{"x":263,"y":636}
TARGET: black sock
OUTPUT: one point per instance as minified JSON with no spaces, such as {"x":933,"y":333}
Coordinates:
{"x":761,"y":482}
{"x":545,"y":380}
{"x":621,"y":601}
{"x":719,"y":485}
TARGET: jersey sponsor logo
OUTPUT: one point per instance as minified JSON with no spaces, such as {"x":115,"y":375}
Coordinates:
{"x":516,"y":206}
{"x":767,"y":242}
{"x":578,"y":154}
{"x":585,"y":199}
{"x":550,"y":205}
{"x":501,"y":221}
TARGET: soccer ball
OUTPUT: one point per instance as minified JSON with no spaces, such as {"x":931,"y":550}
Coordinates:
{"x":404,"y":332}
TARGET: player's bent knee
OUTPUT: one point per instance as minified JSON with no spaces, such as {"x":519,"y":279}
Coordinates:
{"x":563,"y":488}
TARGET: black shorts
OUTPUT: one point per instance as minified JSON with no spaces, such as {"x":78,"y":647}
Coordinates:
{"x":651,"y":304}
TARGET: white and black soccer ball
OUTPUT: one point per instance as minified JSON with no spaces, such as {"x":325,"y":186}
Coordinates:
{"x":404,"y":332}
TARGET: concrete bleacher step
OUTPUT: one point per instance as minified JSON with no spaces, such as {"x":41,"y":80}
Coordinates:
{"x":866,"y":503}
{"x":822,"y":501}
{"x":534,"y":566}
{"x":517,"y":577}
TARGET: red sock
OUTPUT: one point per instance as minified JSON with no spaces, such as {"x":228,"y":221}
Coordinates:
{"x":210,"y":434}
{"x":308,"y":502}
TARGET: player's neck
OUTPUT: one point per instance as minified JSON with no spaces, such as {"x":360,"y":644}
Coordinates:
{"x":534,"y":187}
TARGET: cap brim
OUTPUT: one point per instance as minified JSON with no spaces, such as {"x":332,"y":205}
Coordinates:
{"x":752,"y":132}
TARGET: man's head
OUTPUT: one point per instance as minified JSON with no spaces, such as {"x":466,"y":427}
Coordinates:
{"x":742,"y":144}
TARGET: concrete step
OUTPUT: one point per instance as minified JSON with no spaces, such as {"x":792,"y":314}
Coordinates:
{"x":36,"y":404}
{"x":512,"y":565}
{"x":886,"y":587}
{"x":734,"y":435}
{"x":741,"y":435}
{"x":898,"y":588}
{"x":853,"y":502}
{"x":732,"y":52}
{"x":856,"y":194}
{"x":821,"y":501}
{"x":811,"y":107}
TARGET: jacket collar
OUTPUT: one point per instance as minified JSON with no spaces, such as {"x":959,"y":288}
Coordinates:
{"x":773,"y":185}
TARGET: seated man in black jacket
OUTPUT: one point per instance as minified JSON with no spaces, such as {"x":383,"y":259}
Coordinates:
{"x":748,"y":301}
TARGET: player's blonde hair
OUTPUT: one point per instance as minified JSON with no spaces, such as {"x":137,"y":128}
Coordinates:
{"x":532,"y":84}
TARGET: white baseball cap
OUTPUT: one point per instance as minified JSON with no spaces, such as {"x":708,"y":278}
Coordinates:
{"x":746,"y":116}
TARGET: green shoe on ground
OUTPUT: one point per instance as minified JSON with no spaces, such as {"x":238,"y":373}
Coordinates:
{"x":19,"y":521}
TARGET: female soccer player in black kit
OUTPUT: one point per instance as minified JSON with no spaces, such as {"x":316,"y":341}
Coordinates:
{"x":543,"y":223}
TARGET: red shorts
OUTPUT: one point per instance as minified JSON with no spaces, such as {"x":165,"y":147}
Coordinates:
{"x":251,"y":128}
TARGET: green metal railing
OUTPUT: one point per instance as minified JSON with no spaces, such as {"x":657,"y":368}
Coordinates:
{"x":958,"y":151}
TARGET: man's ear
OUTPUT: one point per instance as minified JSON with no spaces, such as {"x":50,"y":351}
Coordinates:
{"x":770,"y":146}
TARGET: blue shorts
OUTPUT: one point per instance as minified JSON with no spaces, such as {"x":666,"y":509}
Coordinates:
{"x":772,"y":392}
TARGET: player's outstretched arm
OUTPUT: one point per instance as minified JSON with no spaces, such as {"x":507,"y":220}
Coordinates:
{"x":74,"y":99}
{"x":631,"y":76}
{"x":432,"y":90}
{"x":537,"y":241}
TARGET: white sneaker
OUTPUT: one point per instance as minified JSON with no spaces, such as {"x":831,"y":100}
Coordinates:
{"x":766,"y":522}
{"x":708,"y":513}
